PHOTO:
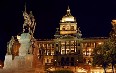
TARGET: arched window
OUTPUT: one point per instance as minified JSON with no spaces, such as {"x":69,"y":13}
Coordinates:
{"x":47,"y":60}
{"x":67,"y":61}
{"x":72,"y":28}
{"x":62,"y":61}
{"x":72,"y":61}
{"x":63,"y":28}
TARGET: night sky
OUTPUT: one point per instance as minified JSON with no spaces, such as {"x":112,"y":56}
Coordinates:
{"x":93,"y":17}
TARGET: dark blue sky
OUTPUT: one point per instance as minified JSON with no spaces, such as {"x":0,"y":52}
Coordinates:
{"x":93,"y":17}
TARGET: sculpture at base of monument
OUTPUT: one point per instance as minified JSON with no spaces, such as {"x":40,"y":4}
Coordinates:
{"x":10,"y":46}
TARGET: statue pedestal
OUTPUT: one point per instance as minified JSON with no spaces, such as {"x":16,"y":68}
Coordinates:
{"x":29,"y":61}
{"x":25,"y":41}
{"x":8,"y":62}
{"x":23,"y":63}
{"x":20,"y":62}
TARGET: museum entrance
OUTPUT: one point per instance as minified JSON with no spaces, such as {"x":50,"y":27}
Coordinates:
{"x":72,"y":61}
{"x":68,"y":61}
{"x":62,"y":61}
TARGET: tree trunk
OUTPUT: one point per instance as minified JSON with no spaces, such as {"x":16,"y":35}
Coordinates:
{"x":104,"y":70}
{"x":112,"y":68}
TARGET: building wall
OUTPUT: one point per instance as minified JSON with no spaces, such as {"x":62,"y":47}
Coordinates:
{"x":88,"y":45}
{"x":65,"y":49}
{"x":48,"y":49}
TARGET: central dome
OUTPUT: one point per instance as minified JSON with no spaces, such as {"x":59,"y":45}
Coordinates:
{"x":68,"y":17}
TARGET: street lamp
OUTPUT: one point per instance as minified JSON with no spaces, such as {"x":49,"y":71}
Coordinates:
{"x":76,"y":65}
{"x":55,"y":64}
{"x":55,"y":60}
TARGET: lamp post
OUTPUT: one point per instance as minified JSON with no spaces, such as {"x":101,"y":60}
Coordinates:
{"x":55,"y":64}
{"x":76,"y":65}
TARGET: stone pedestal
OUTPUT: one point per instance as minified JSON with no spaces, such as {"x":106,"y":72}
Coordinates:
{"x":25,"y":41}
{"x":8,"y":62}
{"x":24,"y":62}
{"x":29,"y":61}
{"x":19,"y":62}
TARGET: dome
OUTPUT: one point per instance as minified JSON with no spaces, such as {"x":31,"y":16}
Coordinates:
{"x":113,"y":22}
{"x":68,"y":17}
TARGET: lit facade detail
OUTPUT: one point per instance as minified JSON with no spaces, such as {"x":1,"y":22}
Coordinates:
{"x":68,"y":42}
{"x":68,"y":24}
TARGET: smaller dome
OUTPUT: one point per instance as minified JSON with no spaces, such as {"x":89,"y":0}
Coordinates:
{"x":68,"y":17}
{"x":113,"y":22}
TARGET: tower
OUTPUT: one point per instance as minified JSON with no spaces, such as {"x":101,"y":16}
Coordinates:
{"x":67,"y":41}
{"x":68,"y":26}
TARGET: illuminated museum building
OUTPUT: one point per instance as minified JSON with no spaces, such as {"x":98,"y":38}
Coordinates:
{"x":67,"y":48}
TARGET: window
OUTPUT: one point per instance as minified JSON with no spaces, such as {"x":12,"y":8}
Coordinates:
{"x":67,"y":51}
{"x":52,"y":60}
{"x":72,"y":51}
{"x":67,"y":27}
{"x":56,"y":44}
{"x":62,"y":51}
{"x":63,"y":48}
{"x":63,"y":28}
{"x":67,"y":42}
{"x":79,"y":44}
{"x":84,"y":44}
{"x":78,"y":51}
{"x":47,"y":60}
{"x":62,"y":43}
{"x":72,"y":27}
{"x":88,"y":44}
{"x":72,"y":42}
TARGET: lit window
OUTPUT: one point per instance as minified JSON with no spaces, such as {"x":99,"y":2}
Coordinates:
{"x":72,"y":51}
{"x":67,"y":42}
{"x":62,"y":51}
{"x":63,"y":28}
{"x":72,"y":42}
{"x":47,"y":60}
{"x":89,"y":49}
{"x":72,"y":27}
{"x":99,"y":43}
{"x":67,"y":51}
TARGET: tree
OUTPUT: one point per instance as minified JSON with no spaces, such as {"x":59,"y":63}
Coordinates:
{"x":105,"y":54}
{"x":112,"y":53}
{"x":100,"y":58}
